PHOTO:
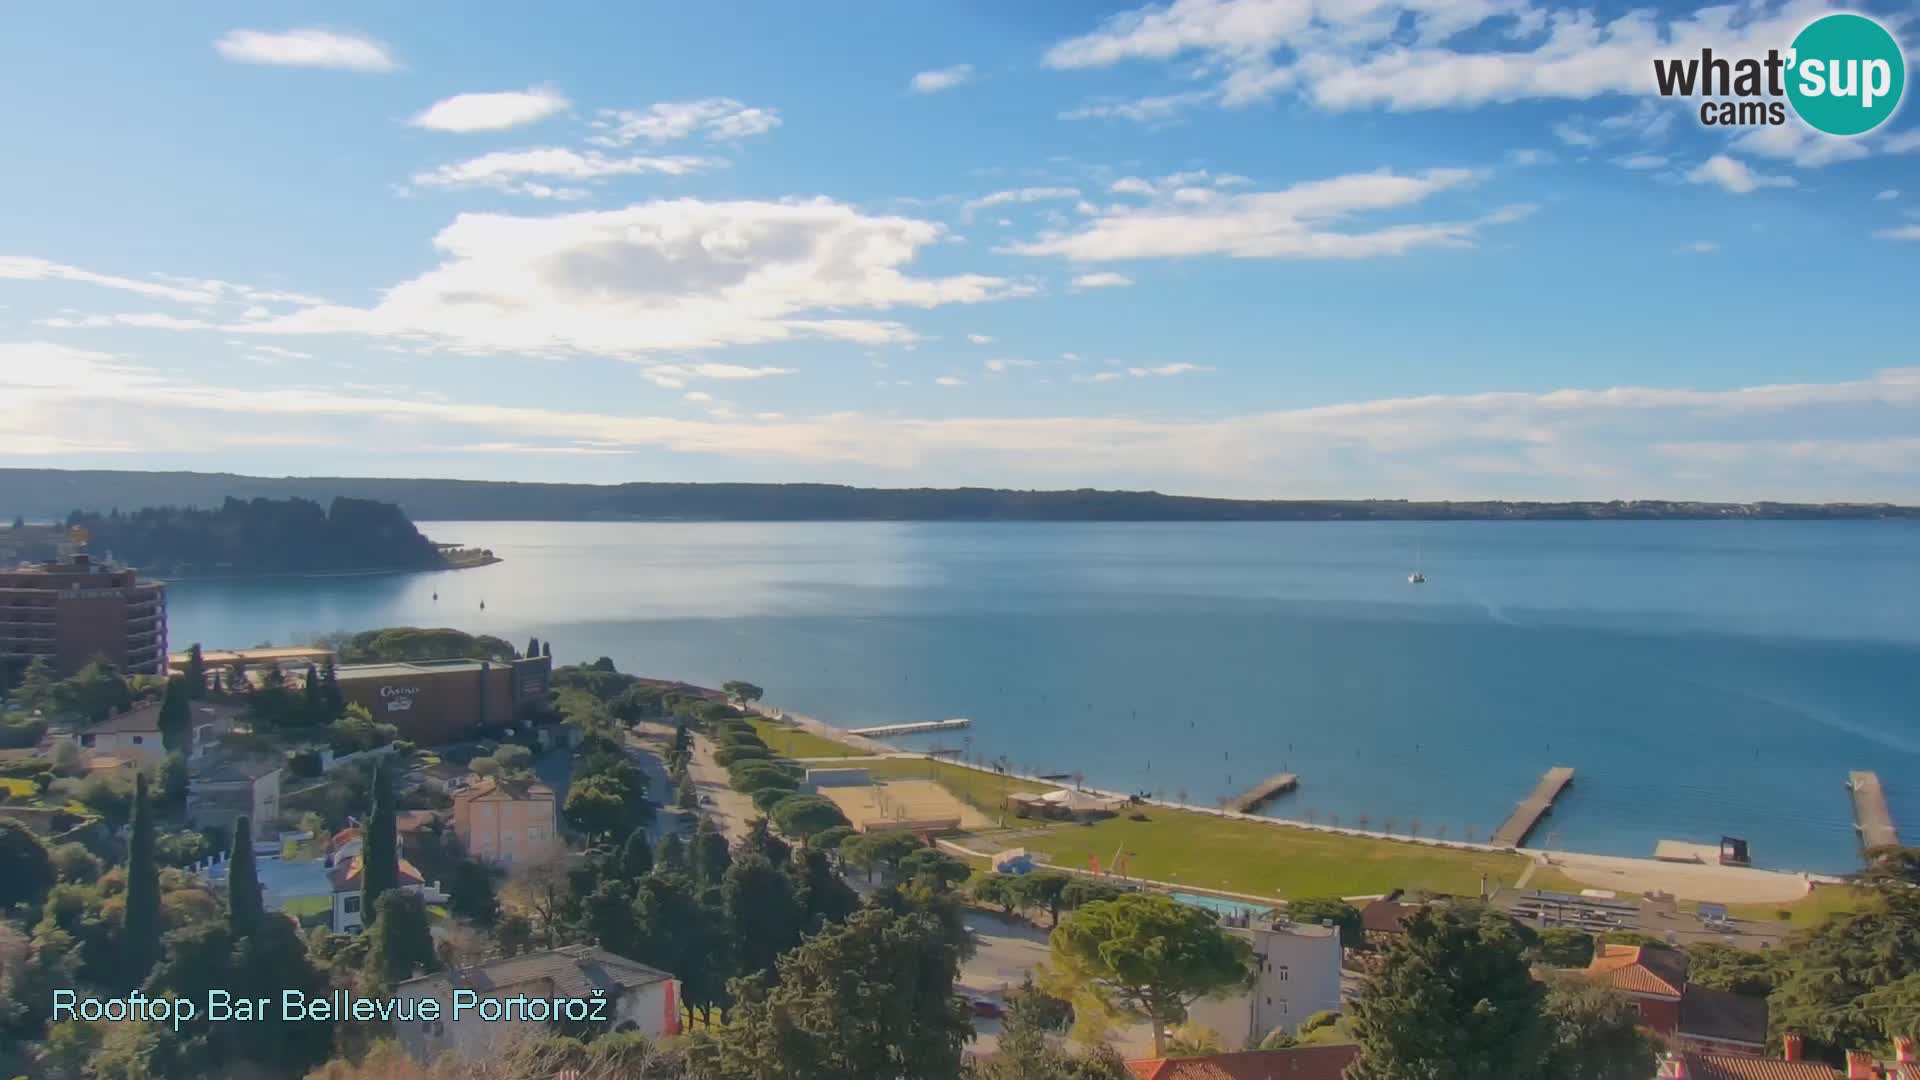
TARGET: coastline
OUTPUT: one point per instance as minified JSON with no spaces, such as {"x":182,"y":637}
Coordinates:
{"x":1622,"y":873}
{"x":316,"y":575}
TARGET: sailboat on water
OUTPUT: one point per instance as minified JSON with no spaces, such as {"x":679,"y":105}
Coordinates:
{"x":1416,"y":578}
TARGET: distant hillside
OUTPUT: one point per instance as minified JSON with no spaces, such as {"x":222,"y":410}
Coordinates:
{"x":42,"y":494}
{"x":261,"y":536}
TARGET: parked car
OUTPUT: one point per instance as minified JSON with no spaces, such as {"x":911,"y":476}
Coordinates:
{"x":988,"y":1009}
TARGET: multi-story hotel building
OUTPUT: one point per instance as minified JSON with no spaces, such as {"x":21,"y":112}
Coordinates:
{"x":71,"y":610}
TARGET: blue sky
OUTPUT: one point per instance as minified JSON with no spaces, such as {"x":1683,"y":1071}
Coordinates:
{"x":1447,"y":248}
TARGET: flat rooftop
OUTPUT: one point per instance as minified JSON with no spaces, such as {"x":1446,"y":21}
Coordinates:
{"x":413,"y":667}
{"x":250,"y":656}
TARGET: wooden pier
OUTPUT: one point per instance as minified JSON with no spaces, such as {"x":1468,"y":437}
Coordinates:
{"x":1870,"y":814}
{"x":1256,"y":796}
{"x":1527,"y":815}
{"x":911,"y":729}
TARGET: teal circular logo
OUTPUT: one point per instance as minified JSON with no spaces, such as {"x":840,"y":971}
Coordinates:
{"x":1846,"y":74}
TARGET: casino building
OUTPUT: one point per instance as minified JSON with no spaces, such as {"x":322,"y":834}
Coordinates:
{"x":440,"y":701}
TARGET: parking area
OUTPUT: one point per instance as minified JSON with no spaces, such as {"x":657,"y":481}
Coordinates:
{"x":1662,"y":919}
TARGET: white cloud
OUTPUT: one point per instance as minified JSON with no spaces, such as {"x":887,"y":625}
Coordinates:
{"x":718,"y":119}
{"x":670,"y":275}
{"x":1102,"y":280}
{"x":1733,"y":175}
{"x":525,"y":172}
{"x":1800,"y":144}
{"x":979,"y":339}
{"x":1573,"y":136}
{"x":1401,"y":54}
{"x":697,"y":396}
{"x":1017,"y":195}
{"x":1529,"y":156}
{"x":1838,"y":440}
{"x":1888,"y":195}
{"x":1146,"y":110}
{"x":949,"y":380}
{"x":307,"y":48}
{"x":675,"y":376}
{"x":1701,"y":247}
{"x":932,"y":82}
{"x":1298,"y":222}
{"x":1001,"y":364}
{"x":1160,"y":372}
{"x":1641,"y":161}
{"x":183,"y":290}
{"x":492,"y":111}
{"x":1902,"y":142}
{"x":1904,"y":232}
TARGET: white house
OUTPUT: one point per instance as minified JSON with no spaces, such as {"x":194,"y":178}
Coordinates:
{"x":1299,"y":975}
{"x":639,"y":998}
{"x":220,"y":792}
{"x":344,"y":864}
{"x":134,"y":735}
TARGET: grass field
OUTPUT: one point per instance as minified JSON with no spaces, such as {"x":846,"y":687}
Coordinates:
{"x":790,"y":742}
{"x":307,"y":905}
{"x":1816,"y":907}
{"x":1268,"y":860}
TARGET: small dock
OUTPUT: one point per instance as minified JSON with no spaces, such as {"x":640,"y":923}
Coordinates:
{"x":1527,"y":815}
{"x":911,"y":729}
{"x":1259,"y":794}
{"x":1870,"y":814}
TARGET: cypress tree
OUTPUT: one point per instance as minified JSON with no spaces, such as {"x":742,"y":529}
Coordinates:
{"x":331,"y":699}
{"x":546,"y":649}
{"x":310,"y":702}
{"x":379,"y":857}
{"x":196,"y":673}
{"x":176,"y":716}
{"x":533,"y":647}
{"x":140,"y":933}
{"x":637,"y":858}
{"x":244,"y":906}
{"x":673,"y":853}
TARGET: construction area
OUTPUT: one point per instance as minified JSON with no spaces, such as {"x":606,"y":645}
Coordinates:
{"x":911,"y":805}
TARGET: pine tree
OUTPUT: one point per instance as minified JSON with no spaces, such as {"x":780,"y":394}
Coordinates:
{"x":36,"y":686}
{"x":196,"y":673}
{"x":244,"y":906}
{"x":140,"y":934}
{"x":672,"y":855}
{"x":379,"y":855}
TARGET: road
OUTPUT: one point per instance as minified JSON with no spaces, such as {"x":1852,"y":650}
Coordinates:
{"x":730,"y":810}
{"x":1006,"y":951}
{"x":646,"y":745}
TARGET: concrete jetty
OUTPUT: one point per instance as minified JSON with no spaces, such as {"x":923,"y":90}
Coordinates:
{"x":1527,"y":815}
{"x":1272,"y":787}
{"x":911,"y":729}
{"x":1870,"y":814}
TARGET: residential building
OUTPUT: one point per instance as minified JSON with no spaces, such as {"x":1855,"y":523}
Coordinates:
{"x":439,"y":701}
{"x":1299,"y":1063}
{"x":221,"y":791}
{"x":1654,"y":978}
{"x":134,"y":735}
{"x":1298,"y":975}
{"x":1385,"y":921}
{"x":506,"y":821}
{"x":640,"y":999}
{"x":344,"y":876}
{"x":70,"y":610}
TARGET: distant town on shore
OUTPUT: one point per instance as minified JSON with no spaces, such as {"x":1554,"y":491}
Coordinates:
{"x":52,"y":494}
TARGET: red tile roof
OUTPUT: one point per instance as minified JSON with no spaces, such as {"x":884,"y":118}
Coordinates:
{"x":1386,"y":917}
{"x":345,"y":874}
{"x":1300,"y":1063}
{"x":1641,"y":969}
{"x":1737,"y":1067}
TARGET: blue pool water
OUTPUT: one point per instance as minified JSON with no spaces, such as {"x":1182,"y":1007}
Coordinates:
{"x":1703,"y":677}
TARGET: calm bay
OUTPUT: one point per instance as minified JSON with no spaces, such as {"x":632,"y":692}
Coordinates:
{"x":1704,"y":677}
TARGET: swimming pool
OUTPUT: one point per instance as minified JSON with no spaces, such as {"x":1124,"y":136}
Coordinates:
{"x":1221,"y":905}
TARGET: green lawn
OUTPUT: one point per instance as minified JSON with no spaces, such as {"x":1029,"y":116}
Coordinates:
{"x":1272,"y":860}
{"x":306,"y":906}
{"x":791,"y":742}
{"x":1823,"y":903}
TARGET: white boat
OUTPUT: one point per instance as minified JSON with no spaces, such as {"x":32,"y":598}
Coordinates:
{"x":1416,"y":577}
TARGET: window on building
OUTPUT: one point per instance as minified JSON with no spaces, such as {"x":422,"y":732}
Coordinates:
{"x":137,"y":740}
{"x":353,"y":904}
{"x":1283,"y":973}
